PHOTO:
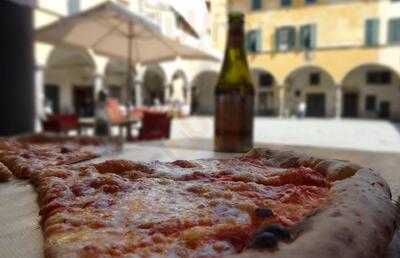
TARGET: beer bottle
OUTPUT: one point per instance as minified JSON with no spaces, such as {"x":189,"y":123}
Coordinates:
{"x":234,"y":94}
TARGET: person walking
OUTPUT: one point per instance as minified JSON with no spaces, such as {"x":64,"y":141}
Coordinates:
{"x":301,"y":109}
{"x":102,"y":126}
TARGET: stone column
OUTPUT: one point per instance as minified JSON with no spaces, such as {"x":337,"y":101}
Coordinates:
{"x":138,"y":92}
{"x":338,"y":101}
{"x":39,"y":97}
{"x":16,"y":69}
{"x":98,"y":82}
{"x":281,"y":94}
{"x":139,"y":80}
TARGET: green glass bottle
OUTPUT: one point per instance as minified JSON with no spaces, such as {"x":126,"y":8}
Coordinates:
{"x":234,"y":94}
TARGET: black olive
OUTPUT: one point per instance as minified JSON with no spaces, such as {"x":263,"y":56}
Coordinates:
{"x":264,"y":240}
{"x":263,"y":212}
{"x":280,"y":232}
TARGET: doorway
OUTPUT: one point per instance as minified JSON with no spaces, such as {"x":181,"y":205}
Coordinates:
{"x":350,"y":105}
{"x":52,"y":95}
{"x":315,"y":105}
{"x":384,"y":109}
{"x":83,"y":101}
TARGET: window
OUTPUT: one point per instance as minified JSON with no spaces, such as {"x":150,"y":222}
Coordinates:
{"x":256,"y":4}
{"x":73,"y":6}
{"x":315,"y":78}
{"x":307,"y":36}
{"x":371,"y":32}
{"x":265,"y":80}
{"x":394,"y":31}
{"x":253,"y":41}
{"x":370,"y":103}
{"x":379,"y":77}
{"x":310,"y":1}
{"x":285,"y":38}
{"x":285,"y":3}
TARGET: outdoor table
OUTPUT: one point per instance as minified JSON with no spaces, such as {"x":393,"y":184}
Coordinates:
{"x":89,"y":122}
{"x":20,"y":232}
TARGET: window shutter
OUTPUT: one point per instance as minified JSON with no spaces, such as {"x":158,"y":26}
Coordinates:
{"x":371,"y":32}
{"x":247,"y":41}
{"x":256,"y":4}
{"x":303,"y":36}
{"x":391,"y":31}
{"x":307,"y":36}
{"x":258,"y":39}
{"x":313,"y":36}
{"x":394,"y":31}
{"x":291,"y":37}
{"x":277,"y":38}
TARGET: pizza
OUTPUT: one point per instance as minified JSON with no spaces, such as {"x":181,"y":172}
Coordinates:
{"x":5,"y":173}
{"x":262,"y":204}
{"x":23,"y":155}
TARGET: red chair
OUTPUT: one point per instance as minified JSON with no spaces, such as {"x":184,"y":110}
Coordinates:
{"x":155,"y":126}
{"x":60,"y":123}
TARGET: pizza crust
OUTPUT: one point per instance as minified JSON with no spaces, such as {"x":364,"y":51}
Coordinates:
{"x":334,"y":169}
{"x":359,"y":220}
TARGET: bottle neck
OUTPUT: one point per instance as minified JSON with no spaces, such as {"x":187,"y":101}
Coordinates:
{"x":235,"y":70}
{"x":235,"y":36}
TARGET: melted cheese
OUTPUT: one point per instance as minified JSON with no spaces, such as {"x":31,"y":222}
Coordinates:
{"x":182,"y":209}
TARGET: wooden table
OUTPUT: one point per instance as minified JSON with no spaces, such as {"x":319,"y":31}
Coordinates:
{"x":20,"y":233}
{"x":89,"y":122}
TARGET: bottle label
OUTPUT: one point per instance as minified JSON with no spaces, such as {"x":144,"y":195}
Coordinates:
{"x":234,"y":115}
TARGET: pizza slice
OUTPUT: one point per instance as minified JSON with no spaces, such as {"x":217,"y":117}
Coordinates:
{"x":262,"y":204}
{"x":23,"y":155}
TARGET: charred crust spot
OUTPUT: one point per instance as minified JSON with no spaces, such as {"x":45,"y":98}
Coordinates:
{"x":264,"y":240}
{"x":280,"y":232}
{"x":263,"y":213}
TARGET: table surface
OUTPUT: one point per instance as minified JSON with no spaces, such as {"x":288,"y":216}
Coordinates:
{"x":20,"y":232}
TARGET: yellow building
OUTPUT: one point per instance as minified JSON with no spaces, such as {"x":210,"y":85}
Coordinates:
{"x":341,"y":58}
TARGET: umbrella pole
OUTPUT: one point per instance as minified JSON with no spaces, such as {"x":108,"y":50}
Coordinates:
{"x":129,"y":83}
{"x":129,"y":76}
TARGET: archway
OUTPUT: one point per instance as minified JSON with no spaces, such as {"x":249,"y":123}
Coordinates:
{"x":154,"y":86}
{"x":179,"y":88}
{"x":69,"y":82}
{"x":371,"y":91}
{"x":312,"y":86}
{"x":203,"y":86}
{"x":266,"y":100}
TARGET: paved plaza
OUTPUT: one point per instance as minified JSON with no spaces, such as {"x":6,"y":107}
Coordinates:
{"x":365,"y":135}
{"x":370,"y":143}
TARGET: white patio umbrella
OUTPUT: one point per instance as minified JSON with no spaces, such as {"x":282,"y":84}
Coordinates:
{"x":112,"y":30}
